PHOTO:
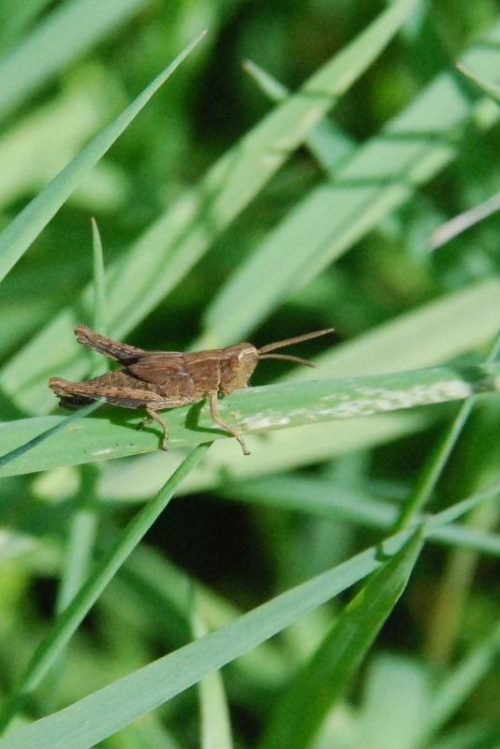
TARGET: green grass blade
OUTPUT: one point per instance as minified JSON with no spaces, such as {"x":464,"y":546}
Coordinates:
{"x":475,"y":735}
{"x":326,"y":142}
{"x":483,"y":84}
{"x":99,"y":281}
{"x":39,"y":439}
{"x":324,"y":678}
{"x":171,"y":246}
{"x":461,"y":681}
{"x":65,"y":35}
{"x":17,"y":237}
{"x":103,"y":713}
{"x":380,"y":176}
{"x":320,"y":498}
{"x":259,"y":409}
{"x":431,"y":473}
{"x":66,"y":624}
{"x":215,"y":722}
{"x":445,"y":328}
{"x":39,"y":143}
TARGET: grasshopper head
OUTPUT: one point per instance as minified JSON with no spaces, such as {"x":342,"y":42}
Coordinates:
{"x":237,"y":366}
{"x":239,"y":362}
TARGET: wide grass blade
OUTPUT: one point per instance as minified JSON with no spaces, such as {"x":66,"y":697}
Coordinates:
{"x":17,"y":237}
{"x":176,"y":241}
{"x":106,"y":711}
{"x":326,"y":676}
{"x":62,"y":37}
{"x":446,"y":328}
{"x":259,"y":409}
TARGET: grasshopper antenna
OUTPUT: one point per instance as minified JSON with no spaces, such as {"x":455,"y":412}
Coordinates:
{"x":264,"y":351}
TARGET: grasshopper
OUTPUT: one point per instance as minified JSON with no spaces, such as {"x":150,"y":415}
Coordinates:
{"x":156,"y":380}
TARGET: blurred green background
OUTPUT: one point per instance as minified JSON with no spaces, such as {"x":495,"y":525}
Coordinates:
{"x":241,"y":530}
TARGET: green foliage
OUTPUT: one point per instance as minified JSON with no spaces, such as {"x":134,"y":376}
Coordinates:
{"x":293,"y":174}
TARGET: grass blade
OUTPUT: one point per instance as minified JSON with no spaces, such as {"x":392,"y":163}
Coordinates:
{"x":259,"y":409}
{"x":51,"y":647}
{"x":39,"y":439}
{"x":106,"y":711}
{"x":17,"y":237}
{"x":177,"y":240}
{"x":380,"y":176}
{"x":321,"y":682}
{"x":215,"y":721}
{"x":63,"y":36}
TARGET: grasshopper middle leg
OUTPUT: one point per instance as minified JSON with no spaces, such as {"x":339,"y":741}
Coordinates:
{"x":215,"y":414}
{"x":155,"y":416}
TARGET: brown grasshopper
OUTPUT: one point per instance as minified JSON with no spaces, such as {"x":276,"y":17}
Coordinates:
{"x":155,"y":380}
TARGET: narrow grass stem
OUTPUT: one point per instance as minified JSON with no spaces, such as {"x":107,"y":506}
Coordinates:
{"x":440,"y":456}
{"x":65,"y":626}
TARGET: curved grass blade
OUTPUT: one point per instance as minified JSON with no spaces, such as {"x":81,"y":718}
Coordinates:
{"x":66,"y":624}
{"x":177,"y":240}
{"x":63,"y":36}
{"x":325,"y":677}
{"x":17,"y":237}
{"x":106,"y":711}
{"x":259,"y":409}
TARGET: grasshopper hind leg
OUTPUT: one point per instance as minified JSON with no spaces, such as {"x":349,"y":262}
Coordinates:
{"x":155,"y":416}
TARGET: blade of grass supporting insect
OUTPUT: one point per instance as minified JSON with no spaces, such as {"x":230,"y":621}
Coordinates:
{"x":259,"y":409}
{"x":18,"y":236}
{"x":438,"y":460}
{"x":446,"y":328}
{"x":63,"y":36}
{"x":106,"y":711}
{"x":64,"y":627}
{"x":319,"y":684}
{"x":215,"y":721}
{"x":177,"y":240}
{"x":39,"y":439}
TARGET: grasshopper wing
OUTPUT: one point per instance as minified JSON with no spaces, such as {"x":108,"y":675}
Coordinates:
{"x":120,"y":352}
{"x":161,"y":369}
